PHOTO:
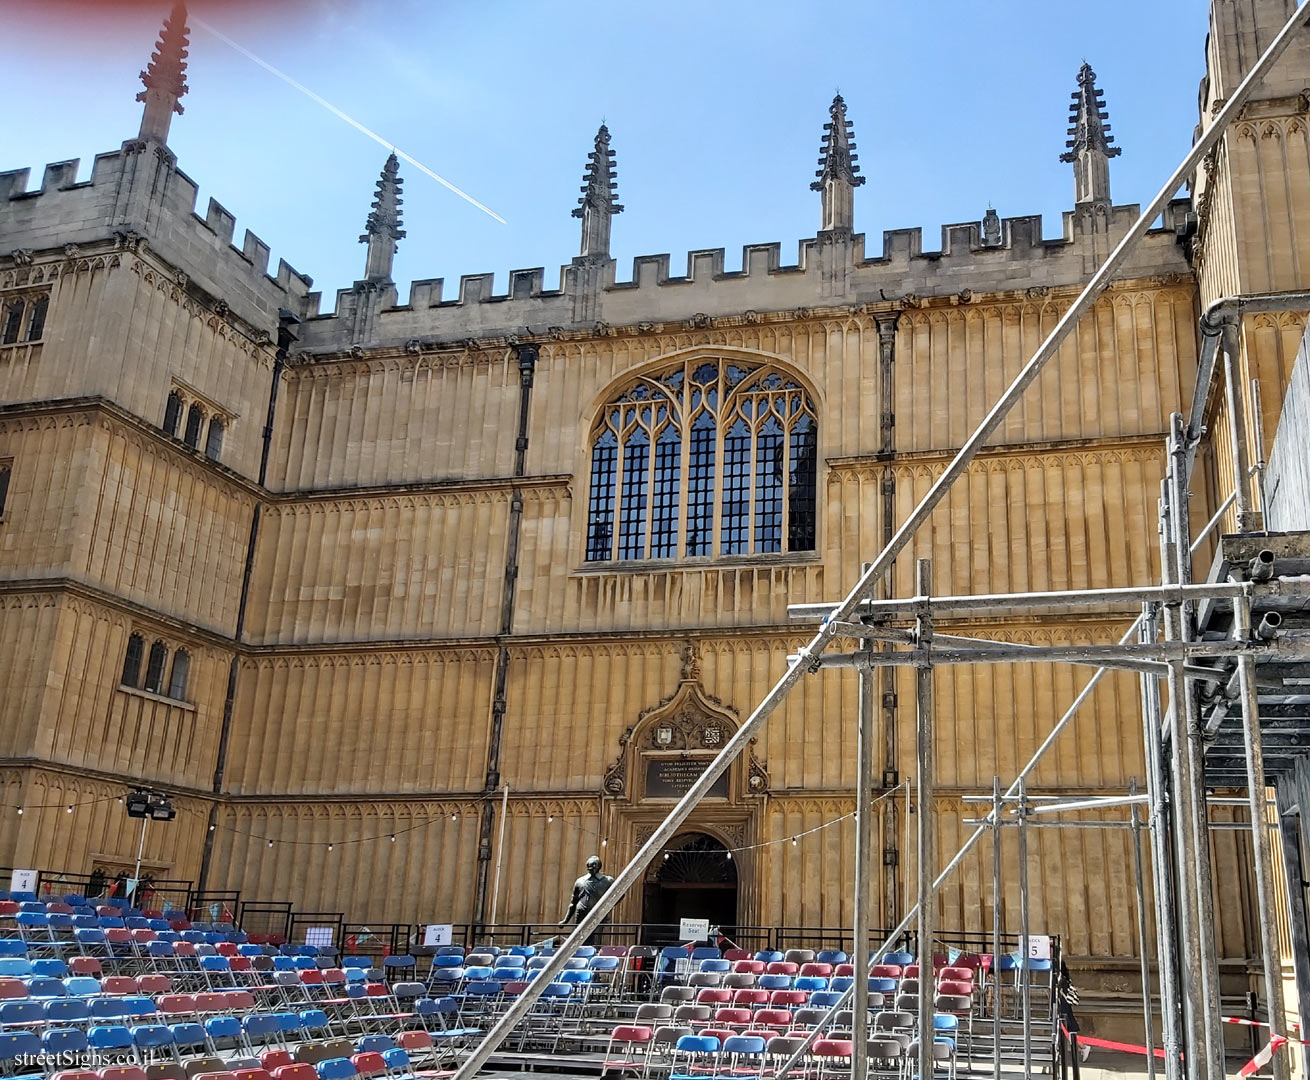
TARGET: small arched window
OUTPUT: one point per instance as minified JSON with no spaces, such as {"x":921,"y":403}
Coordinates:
{"x":136,"y":648}
{"x":181,"y":668}
{"x":173,"y":412}
{"x":36,"y":318}
{"x":709,"y":458}
{"x":195,"y":419}
{"x":11,"y":323}
{"x":155,"y":667}
{"x":6,"y":469}
{"x":214,"y":440}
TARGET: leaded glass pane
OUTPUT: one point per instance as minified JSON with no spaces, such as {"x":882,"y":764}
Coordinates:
{"x":664,"y":500}
{"x":734,"y":533}
{"x":600,"y":512}
{"x":632,"y":509}
{"x":801,"y":487}
{"x":768,"y":487}
{"x":700,"y":486}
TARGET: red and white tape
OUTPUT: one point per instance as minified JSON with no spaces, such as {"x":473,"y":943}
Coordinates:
{"x":1265,"y":1056}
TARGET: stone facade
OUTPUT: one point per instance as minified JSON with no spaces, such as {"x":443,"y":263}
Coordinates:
{"x":380,"y":576}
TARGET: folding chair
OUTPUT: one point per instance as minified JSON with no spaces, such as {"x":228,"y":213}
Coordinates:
{"x":632,"y":1037}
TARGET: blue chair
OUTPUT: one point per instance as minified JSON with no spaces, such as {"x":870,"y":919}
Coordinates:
{"x":882,"y":986}
{"x":17,"y":1044}
{"x":374,"y":1044}
{"x":810,"y":983}
{"x":250,"y":950}
{"x":313,"y":1020}
{"x":397,"y":1060}
{"x":769,"y":956}
{"x":335,"y":1069}
{"x":66,"y":1011}
{"x":85,"y":921}
{"x":510,"y":974}
{"x":136,"y":922}
{"x":700,"y":952}
{"x":713,"y":963}
{"x":151,"y":1037}
{"x":60,"y":920}
{"x":13,"y":1013}
{"x":139,"y":1006}
{"x":404,"y":960}
{"x":453,"y":950}
{"x":831,"y":956}
{"x":32,"y":905}
{"x":221,"y":1027}
{"x":841,"y":983}
{"x":774,"y":982}
{"x":15,"y":967}
{"x":822,"y":999}
{"x":474,"y":974}
{"x":56,"y":969}
{"x":188,"y":1034}
{"x":744,"y":1052}
{"x":82,"y":986}
{"x":111,"y":922}
{"x":702,"y":1053}
{"x":448,"y":960}
{"x":261,"y":1026}
{"x":898,"y":957}
{"x":109,"y":1037}
{"x":523,"y":950}
{"x":72,"y":899}
{"x":24,"y":896}
{"x":46,"y":987}
{"x":108,"y":1008}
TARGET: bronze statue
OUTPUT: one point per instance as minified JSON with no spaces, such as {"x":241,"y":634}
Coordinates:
{"x":587,"y":891}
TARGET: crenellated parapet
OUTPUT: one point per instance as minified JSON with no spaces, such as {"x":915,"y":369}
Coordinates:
{"x":991,"y":256}
{"x":139,"y":190}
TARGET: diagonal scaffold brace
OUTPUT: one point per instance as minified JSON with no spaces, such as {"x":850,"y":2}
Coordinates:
{"x":809,"y":658}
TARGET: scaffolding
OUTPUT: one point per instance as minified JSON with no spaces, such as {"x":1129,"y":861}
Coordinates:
{"x":1219,"y":646}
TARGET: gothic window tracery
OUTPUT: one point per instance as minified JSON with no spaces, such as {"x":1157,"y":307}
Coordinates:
{"x":706,"y":458}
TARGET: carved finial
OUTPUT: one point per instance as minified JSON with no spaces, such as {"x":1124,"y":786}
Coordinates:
{"x":382,"y":229}
{"x":599,"y":194}
{"x":165,"y":77}
{"x":1089,"y":148}
{"x":838,"y":173}
{"x":991,"y":228}
{"x":690,"y":662}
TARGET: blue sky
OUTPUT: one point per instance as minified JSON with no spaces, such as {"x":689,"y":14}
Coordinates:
{"x":716,"y":109}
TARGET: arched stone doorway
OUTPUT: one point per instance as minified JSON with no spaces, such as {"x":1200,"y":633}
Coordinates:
{"x":693,"y":879}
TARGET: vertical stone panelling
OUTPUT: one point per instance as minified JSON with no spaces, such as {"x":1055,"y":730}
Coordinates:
{"x":366,"y":875}
{"x":404,"y":566}
{"x":411,"y":721}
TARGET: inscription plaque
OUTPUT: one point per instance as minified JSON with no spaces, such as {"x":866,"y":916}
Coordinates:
{"x":671,"y":778}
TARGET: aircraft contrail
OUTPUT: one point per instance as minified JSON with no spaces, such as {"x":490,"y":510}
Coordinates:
{"x":348,"y":119}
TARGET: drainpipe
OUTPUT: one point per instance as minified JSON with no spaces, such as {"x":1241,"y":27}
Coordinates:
{"x":288,"y":331}
{"x":887,"y":677}
{"x":527,"y":357}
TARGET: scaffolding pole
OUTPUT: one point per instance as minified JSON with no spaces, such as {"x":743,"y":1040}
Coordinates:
{"x":1262,"y":857}
{"x":1142,"y":944}
{"x":864,"y":862}
{"x":865,"y":586}
{"x":996,"y":927}
{"x":927,"y":838}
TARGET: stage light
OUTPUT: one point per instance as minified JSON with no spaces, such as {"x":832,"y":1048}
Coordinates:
{"x":550,"y":818}
{"x":270,"y":843}
{"x":329,"y":847}
{"x":20,"y":809}
{"x":393,"y":838}
{"x":70,"y":808}
{"x":730,"y":855}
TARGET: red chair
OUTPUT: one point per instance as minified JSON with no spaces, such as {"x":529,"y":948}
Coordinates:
{"x":736,"y":954}
{"x":143,"y":937}
{"x":776,"y":1019}
{"x":176,"y":1003}
{"x":733,"y":1017}
{"x":122,"y":1072}
{"x":369,"y":1063}
{"x":253,"y":1074}
{"x":118,"y":935}
{"x":311,"y":977}
{"x":272,"y":1060}
{"x":827,"y":1052}
{"x":154,"y":984}
{"x":75,"y":1074}
{"x":844,"y":970}
{"x":299,"y":1071}
{"x":788,"y":999}
{"x":151,"y":913}
{"x":211,"y":1003}
{"x":885,"y":971}
{"x":57,"y":907}
{"x":957,"y":974}
{"x":184,"y":948}
{"x":717,"y":1033}
{"x":629,"y":1035}
{"x":215,"y":1076}
{"x":955,"y":987}
{"x":179,"y":924}
{"x":414,"y":1040}
{"x":227,"y":948}
{"x":748,"y":966}
{"x":118,"y":985}
{"x":782,"y":967}
{"x":9,"y":907}
{"x":85,"y":965}
{"x":12,"y":988}
{"x":238,"y":1000}
{"x":713,"y":996}
{"x":822,"y":971}
{"x":750,"y":998}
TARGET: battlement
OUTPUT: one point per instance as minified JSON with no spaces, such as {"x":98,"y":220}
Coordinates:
{"x":830,"y":270}
{"x":139,"y":189}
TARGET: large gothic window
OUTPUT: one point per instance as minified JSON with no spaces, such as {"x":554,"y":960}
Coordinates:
{"x":709,"y":458}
